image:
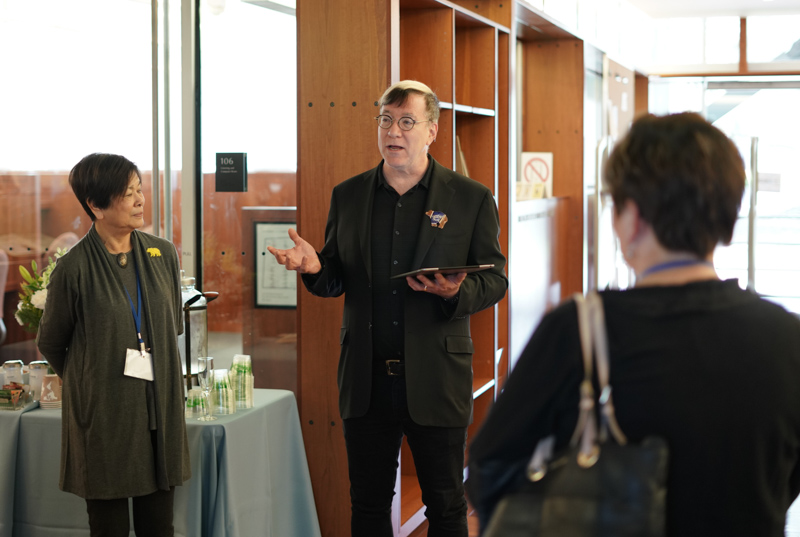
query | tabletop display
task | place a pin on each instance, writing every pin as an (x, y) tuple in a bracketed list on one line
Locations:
[(249, 475)]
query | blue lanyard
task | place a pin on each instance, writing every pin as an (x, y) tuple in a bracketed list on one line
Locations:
[(673, 264), (137, 311)]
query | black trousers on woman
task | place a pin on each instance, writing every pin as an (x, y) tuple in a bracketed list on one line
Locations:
[(152, 516)]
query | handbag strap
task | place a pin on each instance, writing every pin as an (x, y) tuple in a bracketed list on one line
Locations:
[(598, 325), (594, 349), (586, 429), (594, 343)]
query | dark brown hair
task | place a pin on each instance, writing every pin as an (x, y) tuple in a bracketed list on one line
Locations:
[(685, 176)]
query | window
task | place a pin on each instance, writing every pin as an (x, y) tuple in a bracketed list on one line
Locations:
[(78, 80), (773, 38)]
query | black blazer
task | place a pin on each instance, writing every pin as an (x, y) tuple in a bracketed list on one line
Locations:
[(438, 346)]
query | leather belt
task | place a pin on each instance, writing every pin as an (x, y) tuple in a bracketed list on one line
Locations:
[(395, 368)]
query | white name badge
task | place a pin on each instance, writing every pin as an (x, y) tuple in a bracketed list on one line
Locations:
[(139, 365)]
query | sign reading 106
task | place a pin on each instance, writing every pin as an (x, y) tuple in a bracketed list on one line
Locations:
[(225, 160)]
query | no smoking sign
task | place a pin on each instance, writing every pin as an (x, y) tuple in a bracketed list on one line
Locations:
[(536, 176), (536, 171)]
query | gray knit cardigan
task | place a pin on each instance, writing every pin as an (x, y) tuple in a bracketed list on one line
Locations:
[(107, 447)]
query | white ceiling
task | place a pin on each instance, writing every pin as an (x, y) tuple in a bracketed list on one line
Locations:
[(710, 8)]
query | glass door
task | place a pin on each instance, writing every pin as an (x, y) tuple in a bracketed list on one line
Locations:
[(761, 118), (248, 112)]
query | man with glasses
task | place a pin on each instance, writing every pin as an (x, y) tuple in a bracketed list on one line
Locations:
[(406, 360)]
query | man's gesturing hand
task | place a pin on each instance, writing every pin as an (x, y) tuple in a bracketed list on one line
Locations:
[(302, 258)]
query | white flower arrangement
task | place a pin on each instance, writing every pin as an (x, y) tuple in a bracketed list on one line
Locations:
[(34, 294)]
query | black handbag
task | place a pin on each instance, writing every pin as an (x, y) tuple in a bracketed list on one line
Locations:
[(597, 487)]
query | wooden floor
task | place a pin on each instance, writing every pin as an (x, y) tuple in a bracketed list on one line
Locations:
[(472, 521)]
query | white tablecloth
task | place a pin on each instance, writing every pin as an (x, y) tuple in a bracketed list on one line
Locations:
[(249, 476)]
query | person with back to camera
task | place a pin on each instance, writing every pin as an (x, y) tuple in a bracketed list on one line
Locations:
[(406, 360), (711, 368), (109, 329)]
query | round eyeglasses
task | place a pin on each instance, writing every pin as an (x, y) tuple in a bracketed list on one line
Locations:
[(405, 123)]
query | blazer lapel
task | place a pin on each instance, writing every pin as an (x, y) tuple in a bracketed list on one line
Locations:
[(439, 197)]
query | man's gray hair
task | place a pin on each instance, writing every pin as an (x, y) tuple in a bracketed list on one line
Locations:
[(397, 94)]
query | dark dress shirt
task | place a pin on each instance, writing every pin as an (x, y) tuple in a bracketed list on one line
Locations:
[(396, 221)]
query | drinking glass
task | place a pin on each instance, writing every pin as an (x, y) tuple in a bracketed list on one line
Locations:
[(242, 378), (205, 375), (222, 399)]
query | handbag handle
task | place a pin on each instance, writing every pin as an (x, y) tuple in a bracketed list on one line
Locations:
[(594, 348)]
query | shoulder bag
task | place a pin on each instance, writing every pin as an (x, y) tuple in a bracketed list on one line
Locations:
[(598, 486)]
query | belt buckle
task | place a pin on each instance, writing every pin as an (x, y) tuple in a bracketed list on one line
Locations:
[(389, 370)]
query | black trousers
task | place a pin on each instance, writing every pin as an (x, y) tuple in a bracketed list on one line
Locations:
[(373, 446), (152, 516)]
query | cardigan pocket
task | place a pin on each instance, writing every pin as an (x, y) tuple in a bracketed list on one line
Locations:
[(342, 336)]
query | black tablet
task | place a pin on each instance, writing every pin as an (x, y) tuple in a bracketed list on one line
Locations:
[(444, 270)]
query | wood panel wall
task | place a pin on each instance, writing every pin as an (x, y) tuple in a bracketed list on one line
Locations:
[(552, 121)]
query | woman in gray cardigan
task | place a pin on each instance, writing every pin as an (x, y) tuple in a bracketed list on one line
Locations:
[(109, 330)]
